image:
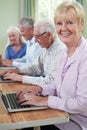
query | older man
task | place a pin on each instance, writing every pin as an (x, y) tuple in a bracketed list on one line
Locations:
[(43, 69), (26, 26)]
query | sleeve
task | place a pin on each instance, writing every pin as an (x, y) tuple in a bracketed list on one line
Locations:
[(36, 72), (6, 53), (34, 69), (42, 71), (19, 62), (78, 102), (38, 80), (49, 90)]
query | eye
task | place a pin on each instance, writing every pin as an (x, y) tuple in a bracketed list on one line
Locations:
[(69, 22), (59, 23)]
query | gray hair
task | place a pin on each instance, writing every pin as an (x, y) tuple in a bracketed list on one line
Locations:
[(27, 22), (14, 29), (46, 25)]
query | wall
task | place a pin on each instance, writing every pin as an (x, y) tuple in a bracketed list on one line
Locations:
[(8, 16), (12, 10)]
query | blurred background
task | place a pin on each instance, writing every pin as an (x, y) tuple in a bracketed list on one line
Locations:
[(11, 11)]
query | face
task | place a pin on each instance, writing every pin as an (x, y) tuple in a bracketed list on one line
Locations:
[(42, 38), (27, 33), (68, 29), (14, 38)]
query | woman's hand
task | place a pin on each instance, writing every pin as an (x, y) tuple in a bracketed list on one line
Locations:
[(28, 99), (30, 90)]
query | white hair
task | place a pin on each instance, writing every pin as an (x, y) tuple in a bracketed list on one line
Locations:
[(16, 30), (13, 29), (46, 25)]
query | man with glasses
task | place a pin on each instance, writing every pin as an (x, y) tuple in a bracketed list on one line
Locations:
[(26, 26), (43, 70)]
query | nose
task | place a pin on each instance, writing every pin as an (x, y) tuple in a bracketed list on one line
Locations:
[(63, 27), (11, 38)]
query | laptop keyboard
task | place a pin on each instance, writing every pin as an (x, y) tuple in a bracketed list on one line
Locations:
[(5, 80), (11, 100)]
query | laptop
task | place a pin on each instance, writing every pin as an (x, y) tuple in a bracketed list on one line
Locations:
[(11, 104), (7, 68), (2, 80), (1, 77)]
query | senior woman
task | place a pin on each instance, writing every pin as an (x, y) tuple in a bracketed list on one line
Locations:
[(16, 47), (72, 75), (70, 91), (42, 71)]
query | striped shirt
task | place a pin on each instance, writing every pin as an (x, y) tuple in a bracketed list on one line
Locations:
[(43, 70)]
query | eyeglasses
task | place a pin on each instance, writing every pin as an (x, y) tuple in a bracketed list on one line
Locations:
[(38, 36)]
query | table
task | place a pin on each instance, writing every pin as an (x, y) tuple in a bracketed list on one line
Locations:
[(34, 119)]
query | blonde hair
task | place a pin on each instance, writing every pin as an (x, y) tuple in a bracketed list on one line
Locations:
[(73, 7)]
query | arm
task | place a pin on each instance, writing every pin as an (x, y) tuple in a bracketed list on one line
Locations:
[(44, 72), (33, 69), (46, 68), (31, 54), (6, 52), (19, 62), (72, 97), (30, 96)]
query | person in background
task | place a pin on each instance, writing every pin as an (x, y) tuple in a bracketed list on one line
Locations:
[(16, 47), (26, 26), (43, 69), (69, 93)]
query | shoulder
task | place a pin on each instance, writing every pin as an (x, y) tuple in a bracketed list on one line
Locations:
[(82, 49), (58, 46), (24, 44), (9, 47), (83, 45), (58, 43)]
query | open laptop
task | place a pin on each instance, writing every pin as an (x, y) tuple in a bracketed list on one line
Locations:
[(11, 103), (7, 67), (2, 80), (1, 77)]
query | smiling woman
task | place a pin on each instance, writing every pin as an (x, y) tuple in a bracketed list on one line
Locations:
[(27, 8), (16, 47)]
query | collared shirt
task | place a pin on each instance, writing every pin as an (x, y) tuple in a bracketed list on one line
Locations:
[(43, 69), (32, 51), (70, 91)]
